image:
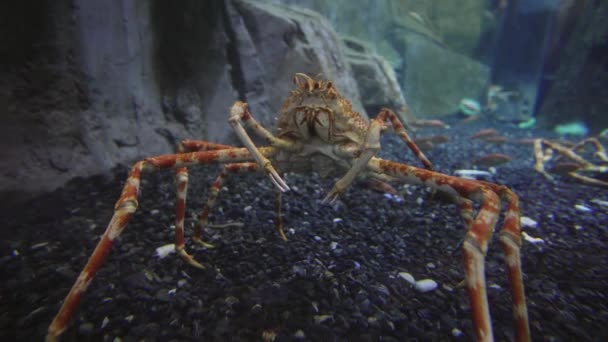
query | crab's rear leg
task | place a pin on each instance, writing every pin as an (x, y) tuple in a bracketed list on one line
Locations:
[(125, 207), (480, 229), (371, 146), (214, 191)]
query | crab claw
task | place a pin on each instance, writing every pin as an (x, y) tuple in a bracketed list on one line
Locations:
[(333, 195), (275, 178)]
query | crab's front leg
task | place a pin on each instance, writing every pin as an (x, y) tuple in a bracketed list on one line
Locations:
[(480, 226), (371, 146), (123, 210), (240, 113)]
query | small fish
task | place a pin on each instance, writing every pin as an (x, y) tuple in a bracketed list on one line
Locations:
[(484, 133), (496, 139), (470, 119), (430, 123), (437, 139), (565, 168), (425, 145), (525, 141), (493, 159)]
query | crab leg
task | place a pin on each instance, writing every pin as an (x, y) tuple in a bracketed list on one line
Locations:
[(181, 181), (240, 113), (476, 241), (213, 193), (277, 210), (371, 147), (125, 207)]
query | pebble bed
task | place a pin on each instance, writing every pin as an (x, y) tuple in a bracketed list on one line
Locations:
[(370, 268)]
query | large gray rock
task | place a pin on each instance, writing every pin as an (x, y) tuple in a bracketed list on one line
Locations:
[(376, 79), (435, 78), (93, 83), (278, 41)]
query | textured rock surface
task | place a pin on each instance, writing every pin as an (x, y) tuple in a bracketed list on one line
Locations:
[(103, 83), (435, 78), (431, 44), (376, 79)]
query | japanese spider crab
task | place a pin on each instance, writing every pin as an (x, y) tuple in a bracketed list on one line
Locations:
[(579, 168), (319, 131)]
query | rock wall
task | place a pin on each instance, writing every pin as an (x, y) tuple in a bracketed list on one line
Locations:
[(436, 47), (89, 84)]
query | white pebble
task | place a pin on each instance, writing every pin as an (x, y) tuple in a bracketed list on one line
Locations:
[(578, 227), (333, 245), (247, 208), (105, 322), (419, 200), (154, 211), (172, 291), (457, 332), (430, 265), (337, 220), (317, 238), (583, 208), (39, 245), (495, 286), (291, 231), (407, 277), (357, 265), (425, 285), (525, 221), (532, 239), (165, 250), (600, 202)]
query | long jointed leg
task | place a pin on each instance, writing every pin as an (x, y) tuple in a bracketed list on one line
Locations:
[(277, 211), (476, 241), (203, 217), (510, 239), (399, 129), (371, 146), (181, 181), (124, 209)]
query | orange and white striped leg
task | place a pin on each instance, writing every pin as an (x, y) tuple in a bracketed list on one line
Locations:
[(476, 241), (181, 180), (510, 239), (213, 193), (123, 210), (399, 129)]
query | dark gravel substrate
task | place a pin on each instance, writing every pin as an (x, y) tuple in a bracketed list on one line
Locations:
[(333, 281)]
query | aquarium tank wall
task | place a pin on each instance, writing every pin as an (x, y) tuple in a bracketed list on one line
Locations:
[(314, 170)]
